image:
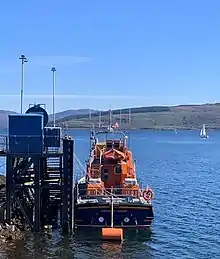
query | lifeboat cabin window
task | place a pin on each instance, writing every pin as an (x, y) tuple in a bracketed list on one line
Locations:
[(105, 174), (118, 169), (117, 144), (113, 144), (94, 180), (130, 181), (109, 144)]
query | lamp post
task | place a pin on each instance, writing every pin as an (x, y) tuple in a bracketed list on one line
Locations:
[(23, 60), (53, 69)]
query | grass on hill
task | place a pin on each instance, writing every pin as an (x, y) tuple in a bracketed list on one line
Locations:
[(182, 117)]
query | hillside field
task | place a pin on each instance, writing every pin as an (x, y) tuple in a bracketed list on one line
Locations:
[(180, 117)]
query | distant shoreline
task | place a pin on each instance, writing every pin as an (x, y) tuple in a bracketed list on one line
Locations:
[(152, 129), (4, 131)]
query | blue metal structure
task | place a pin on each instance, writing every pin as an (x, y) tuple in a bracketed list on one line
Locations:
[(39, 182), (52, 136), (25, 134)]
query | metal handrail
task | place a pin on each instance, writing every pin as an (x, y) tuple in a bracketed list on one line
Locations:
[(118, 192), (4, 141)]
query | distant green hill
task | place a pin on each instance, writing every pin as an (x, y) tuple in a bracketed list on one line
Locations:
[(69, 113), (155, 117), (115, 112)]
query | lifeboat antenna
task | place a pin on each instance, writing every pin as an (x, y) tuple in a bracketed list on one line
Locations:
[(129, 115), (90, 114), (100, 118), (110, 118)]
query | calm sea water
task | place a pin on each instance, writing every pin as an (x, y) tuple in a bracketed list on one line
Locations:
[(184, 172)]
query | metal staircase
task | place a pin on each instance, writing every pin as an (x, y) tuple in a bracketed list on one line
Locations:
[(51, 188)]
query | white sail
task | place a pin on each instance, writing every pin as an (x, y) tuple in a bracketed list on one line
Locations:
[(203, 132)]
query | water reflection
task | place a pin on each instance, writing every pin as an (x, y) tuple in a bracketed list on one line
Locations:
[(84, 244), (112, 249), (137, 242)]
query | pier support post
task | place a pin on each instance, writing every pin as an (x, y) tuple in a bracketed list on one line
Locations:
[(67, 186), (8, 187), (37, 205)]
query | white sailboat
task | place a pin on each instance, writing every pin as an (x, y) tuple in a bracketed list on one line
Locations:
[(203, 133)]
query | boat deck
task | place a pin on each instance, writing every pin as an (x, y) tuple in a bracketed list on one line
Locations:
[(103, 200)]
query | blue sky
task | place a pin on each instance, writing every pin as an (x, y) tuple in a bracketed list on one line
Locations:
[(123, 53)]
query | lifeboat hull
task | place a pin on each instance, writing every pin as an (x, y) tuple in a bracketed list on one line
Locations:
[(125, 216)]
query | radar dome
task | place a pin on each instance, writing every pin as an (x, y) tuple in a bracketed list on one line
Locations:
[(39, 110)]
